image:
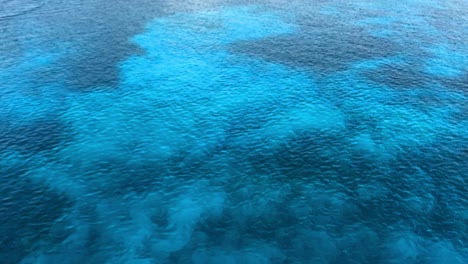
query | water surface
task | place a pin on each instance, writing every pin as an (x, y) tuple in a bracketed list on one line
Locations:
[(233, 131)]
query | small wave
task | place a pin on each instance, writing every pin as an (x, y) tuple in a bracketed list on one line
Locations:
[(13, 8)]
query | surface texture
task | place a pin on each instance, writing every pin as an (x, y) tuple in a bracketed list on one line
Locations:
[(233, 131)]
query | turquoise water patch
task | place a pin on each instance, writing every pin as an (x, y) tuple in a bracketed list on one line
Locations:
[(23, 98), (446, 62), (183, 94)]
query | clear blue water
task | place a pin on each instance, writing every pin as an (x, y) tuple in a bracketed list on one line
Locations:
[(233, 131)]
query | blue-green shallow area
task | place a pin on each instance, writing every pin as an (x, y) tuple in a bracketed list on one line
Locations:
[(233, 132)]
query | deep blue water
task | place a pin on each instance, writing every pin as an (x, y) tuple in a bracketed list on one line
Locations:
[(266, 131)]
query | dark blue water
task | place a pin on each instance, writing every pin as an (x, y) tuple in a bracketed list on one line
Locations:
[(233, 131)]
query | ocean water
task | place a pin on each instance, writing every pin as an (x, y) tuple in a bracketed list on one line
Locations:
[(270, 131)]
